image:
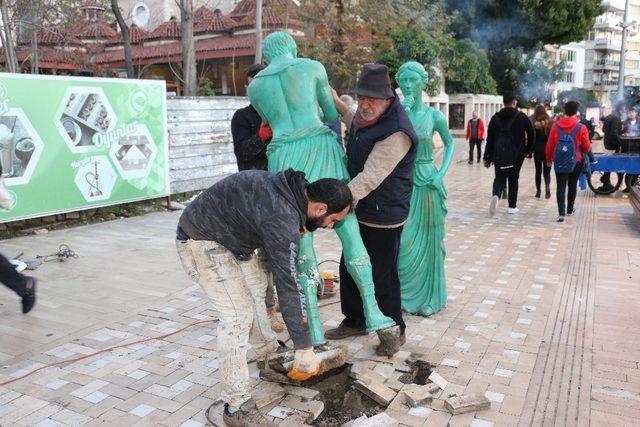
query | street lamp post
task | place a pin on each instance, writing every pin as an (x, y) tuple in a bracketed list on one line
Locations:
[(625, 24)]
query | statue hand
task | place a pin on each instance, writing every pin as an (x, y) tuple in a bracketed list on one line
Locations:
[(408, 102), (435, 181)]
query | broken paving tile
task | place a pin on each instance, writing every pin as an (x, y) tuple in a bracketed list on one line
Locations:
[(438, 380), (416, 395), (467, 403), (376, 391), (303, 392), (313, 407)]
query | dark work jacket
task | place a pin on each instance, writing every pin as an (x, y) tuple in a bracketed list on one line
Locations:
[(389, 203), (258, 209), (250, 150), (612, 128)]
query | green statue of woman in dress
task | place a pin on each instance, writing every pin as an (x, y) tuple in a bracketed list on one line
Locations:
[(293, 96), (422, 250)]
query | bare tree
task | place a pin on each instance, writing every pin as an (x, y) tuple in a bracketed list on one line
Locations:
[(7, 41), (126, 39), (188, 48), (34, 36), (258, 58)]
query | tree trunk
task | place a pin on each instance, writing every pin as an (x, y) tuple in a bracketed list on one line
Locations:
[(34, 38), (9, 50), (126, 40), (258, 58), (188, 48)]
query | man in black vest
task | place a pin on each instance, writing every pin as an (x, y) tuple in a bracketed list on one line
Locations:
[(381, 151)]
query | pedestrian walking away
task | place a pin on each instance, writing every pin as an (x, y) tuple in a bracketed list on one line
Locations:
[(567, 146), (475, 136), (510, 138), (542, 123), (216, 239)]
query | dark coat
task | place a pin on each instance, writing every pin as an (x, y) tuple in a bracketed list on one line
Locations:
[(523, 134), (250, 150)]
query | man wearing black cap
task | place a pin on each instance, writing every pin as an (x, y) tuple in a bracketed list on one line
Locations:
[(381, 152)]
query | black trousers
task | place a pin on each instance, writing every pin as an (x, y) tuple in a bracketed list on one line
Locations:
[(11, 278), (508, 176), (542, 169), (564, 180), (383, 245), (477, 144)]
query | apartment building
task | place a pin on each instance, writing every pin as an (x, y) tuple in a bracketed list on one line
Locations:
[(603, 50)]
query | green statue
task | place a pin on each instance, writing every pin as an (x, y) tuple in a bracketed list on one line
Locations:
[(422, 250), (293, 96)]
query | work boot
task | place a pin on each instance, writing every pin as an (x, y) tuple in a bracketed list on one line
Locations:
[(276, 323), (390, 341), (29, 298), (247, 416), (343, 331)]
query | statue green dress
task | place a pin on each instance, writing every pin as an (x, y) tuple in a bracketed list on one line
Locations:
[(293, 96), (422, 251)]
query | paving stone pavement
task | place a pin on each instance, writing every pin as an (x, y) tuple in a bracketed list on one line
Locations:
[(541, 318)]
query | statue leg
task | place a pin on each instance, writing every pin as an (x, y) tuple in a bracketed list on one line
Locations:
[(309, 280), (359, 267)]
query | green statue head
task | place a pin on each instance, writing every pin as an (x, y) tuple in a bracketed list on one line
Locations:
[(279, 44), (412, 79)]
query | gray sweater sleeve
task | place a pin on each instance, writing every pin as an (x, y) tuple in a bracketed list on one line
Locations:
[(282, 246)]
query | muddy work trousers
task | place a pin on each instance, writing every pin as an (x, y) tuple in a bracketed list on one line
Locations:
[(237, 291)]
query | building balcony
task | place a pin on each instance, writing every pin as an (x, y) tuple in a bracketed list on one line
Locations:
[(607, 24), (606, 65), (607, 45), (606, 84)]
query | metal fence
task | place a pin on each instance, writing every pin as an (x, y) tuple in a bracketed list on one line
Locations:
[(200, 146)]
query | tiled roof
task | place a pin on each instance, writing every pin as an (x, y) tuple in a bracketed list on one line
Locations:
[(51, 35), (203, 48), (92, 29), (218, 23), (248, 7), (92, 5), (269, 19), (136, 35), (169, 30), (202, 13)]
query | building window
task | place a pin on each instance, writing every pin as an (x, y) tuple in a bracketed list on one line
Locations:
[(569, 76), (590, 55), (591, 35), (568, 55), (588, 77)]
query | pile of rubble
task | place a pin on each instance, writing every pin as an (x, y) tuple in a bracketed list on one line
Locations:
[(365, 393)]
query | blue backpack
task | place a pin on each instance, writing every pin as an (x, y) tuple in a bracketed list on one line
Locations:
[(564, 158)]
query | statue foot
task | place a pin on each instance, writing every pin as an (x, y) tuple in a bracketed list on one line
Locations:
[(390, 341), (375, 320)]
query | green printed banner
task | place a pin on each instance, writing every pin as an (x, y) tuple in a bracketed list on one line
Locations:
[(73, 143)]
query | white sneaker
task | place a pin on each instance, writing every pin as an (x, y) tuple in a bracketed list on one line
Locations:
[(5, 198), (513, 210), (493, 205)]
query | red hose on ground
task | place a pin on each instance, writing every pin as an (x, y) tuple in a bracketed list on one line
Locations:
[(86, 356)]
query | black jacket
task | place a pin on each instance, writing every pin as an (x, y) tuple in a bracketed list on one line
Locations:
[(258, 209), (612, 127), (388, 204), (523, 134), (250, 150)]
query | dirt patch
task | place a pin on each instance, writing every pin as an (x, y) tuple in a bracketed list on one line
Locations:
[(342, 403)]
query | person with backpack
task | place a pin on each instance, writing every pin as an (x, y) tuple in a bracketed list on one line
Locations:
[(510, 138), (567, 145)]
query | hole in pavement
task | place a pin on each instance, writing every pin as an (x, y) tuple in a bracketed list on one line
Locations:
[(343, 403)]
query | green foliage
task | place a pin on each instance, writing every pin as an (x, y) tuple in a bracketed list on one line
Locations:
[(467, 69), (412, 44), (205, 88), (530, 74)]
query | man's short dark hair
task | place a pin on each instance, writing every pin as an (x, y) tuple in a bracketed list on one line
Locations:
[(333, 192), (509, 97), (571, 108), (252, 70)]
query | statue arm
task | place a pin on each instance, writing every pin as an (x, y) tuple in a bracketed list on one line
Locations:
[(254, 102), (443, 130), (325, 97)]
